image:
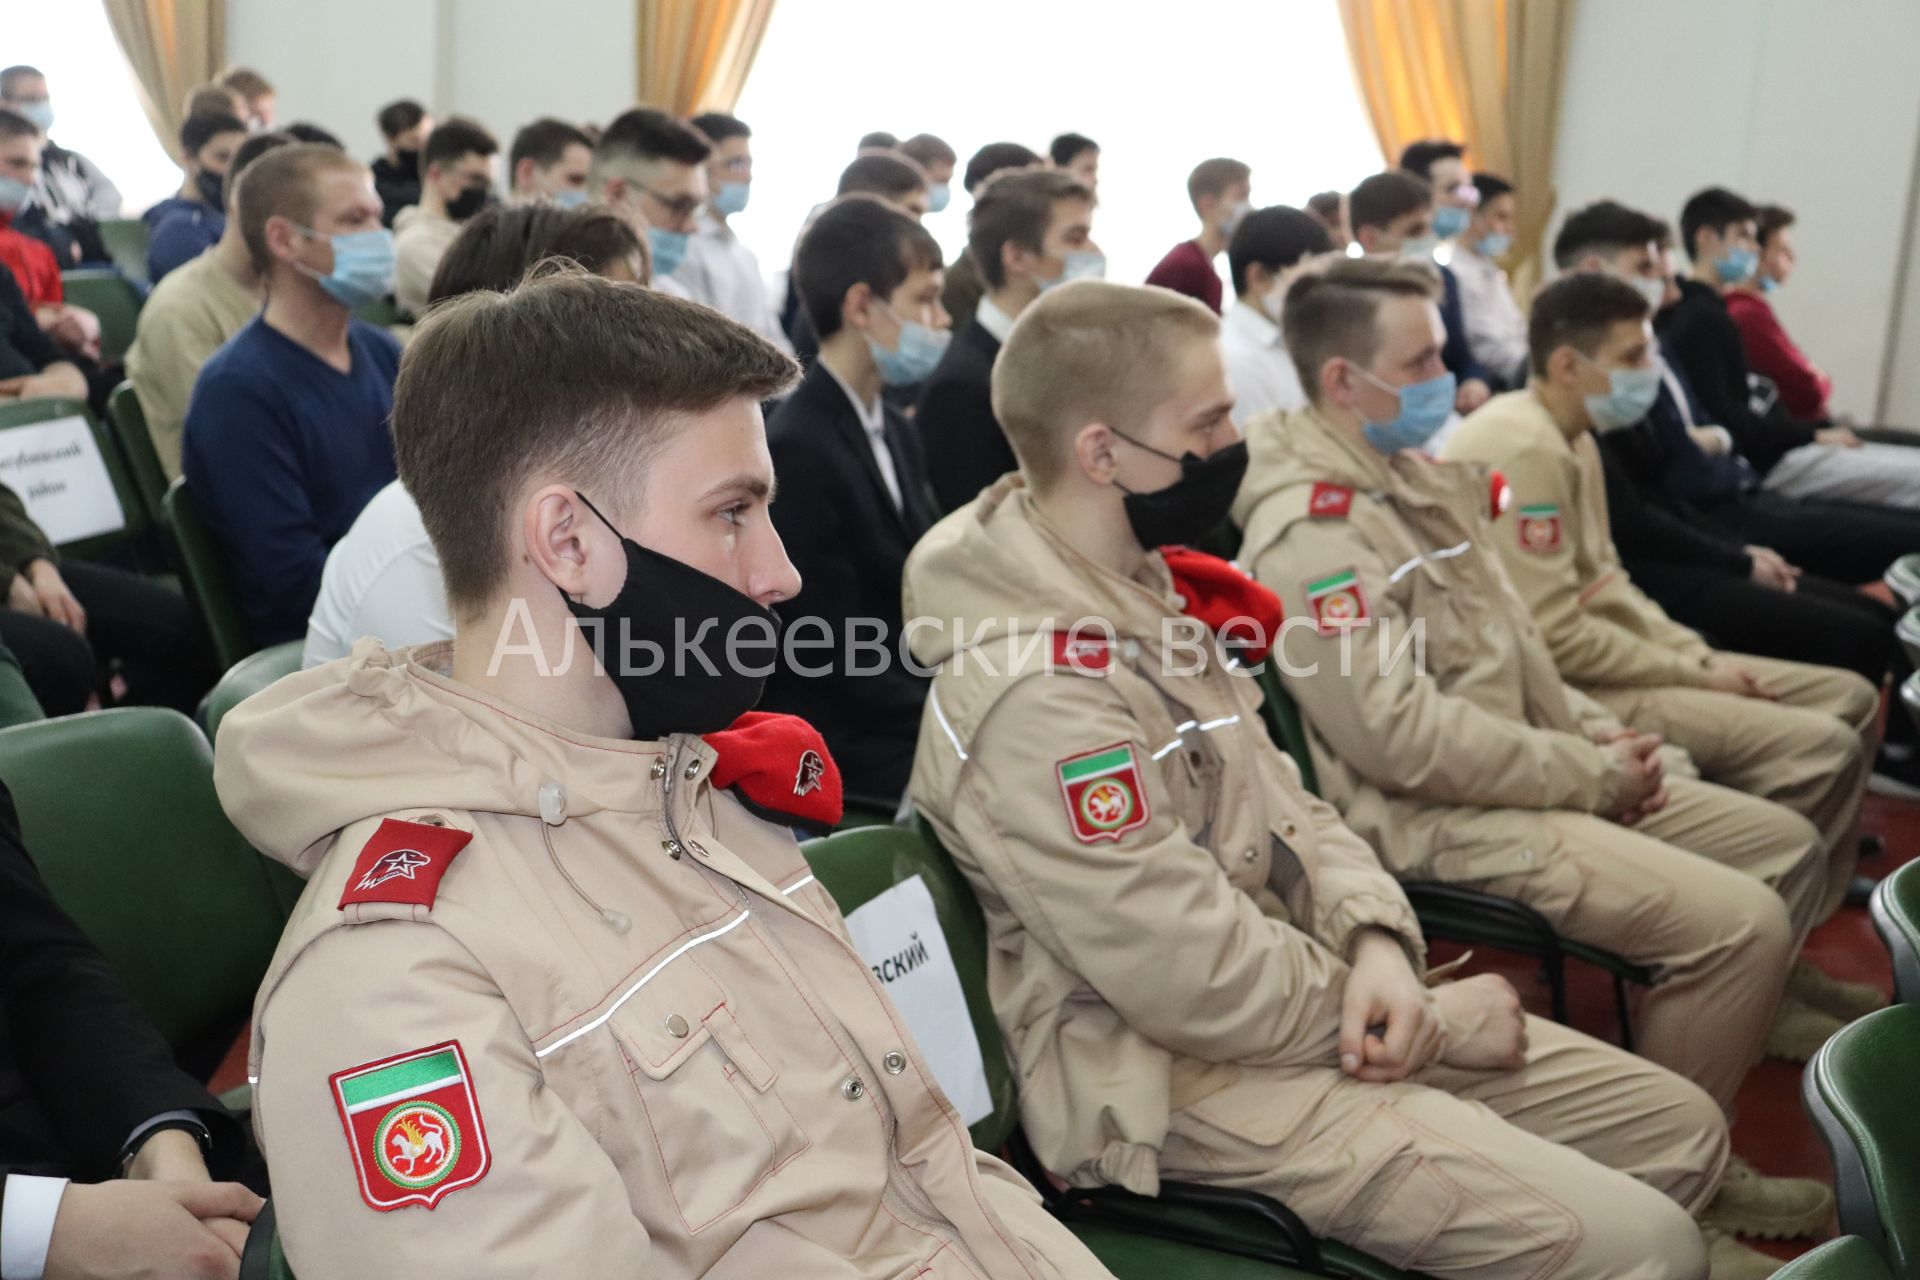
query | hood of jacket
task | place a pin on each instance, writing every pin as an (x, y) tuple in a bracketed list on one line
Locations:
[(383, 731)]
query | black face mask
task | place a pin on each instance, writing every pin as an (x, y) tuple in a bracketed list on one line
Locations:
[(469, 202), (1191, 507), (408, 162), (212, 188), (670, 615)]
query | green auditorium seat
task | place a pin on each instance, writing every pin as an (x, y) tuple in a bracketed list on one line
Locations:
[(126, 241), (1848, 1258), (244, 679), (1188, 1230), (129, 423), (1903, 578), (1461, 914), (110, 296), (118, 809), (1895, 907), (1859, 1091), (203, 563), (135, 524)]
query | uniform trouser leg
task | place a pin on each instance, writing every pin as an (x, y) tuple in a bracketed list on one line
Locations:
[(1719, 940), (1810, 751), (1768, 841), (1585, 1162)]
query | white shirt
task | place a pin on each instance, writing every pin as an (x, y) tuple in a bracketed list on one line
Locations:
[(1496, 327), (873, 420), (722, 272), (381, 579), (993, 320), (1259, 371)]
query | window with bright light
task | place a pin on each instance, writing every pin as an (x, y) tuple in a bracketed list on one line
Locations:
[(96, 110), (1156, 89)]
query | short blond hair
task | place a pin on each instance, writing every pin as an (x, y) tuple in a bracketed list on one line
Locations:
[(1090, 351)]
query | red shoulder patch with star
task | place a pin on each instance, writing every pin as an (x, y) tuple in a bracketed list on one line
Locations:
[(1330, 501), (403, 863)]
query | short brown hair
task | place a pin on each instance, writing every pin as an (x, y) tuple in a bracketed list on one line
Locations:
[(1380, 199), (1089, 351), (1576, 311), (213, 100), (1213, 177), (1769, 219), (928, 150), (1016, 205), (498, 245), (1336, 312), (249, 83), (283, 183), (569, 376)]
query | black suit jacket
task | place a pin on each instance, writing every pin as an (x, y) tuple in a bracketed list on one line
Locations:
[(850, 543), (1698, 333), (965, 447), (81, 1066)]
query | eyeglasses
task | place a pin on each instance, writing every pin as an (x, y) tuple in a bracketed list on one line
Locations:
[(678, 206)]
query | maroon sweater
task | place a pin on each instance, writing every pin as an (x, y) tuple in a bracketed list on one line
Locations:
[(1187, 269)]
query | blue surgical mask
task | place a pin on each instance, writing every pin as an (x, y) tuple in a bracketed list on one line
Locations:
[(569, 198), (1424, 409), (13, 194), (669, 249), (938, 196), (1768, 284), (1493, 245), (731, 198), (40, 113), (1419, 248), (1082, 264), (1629, 394), (1449, 221), (362, 266), (914, 356), (1736, 265), (1231, 223)]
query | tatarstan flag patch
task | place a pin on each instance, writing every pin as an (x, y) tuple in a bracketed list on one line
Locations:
[(1337, 602), (1539, 528), (413, 1126), (1103, 792)]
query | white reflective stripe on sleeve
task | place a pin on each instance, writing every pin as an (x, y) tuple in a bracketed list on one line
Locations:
[(1175, 745), (645, 978), (1445, 553), (797, 885), (941, 716), (1222, 722)]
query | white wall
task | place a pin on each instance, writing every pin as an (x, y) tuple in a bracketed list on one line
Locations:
[(1807, 103), (337, 62)]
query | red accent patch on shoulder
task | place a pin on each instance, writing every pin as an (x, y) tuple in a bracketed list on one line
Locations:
[(1083, 653), (403, 863), (1330, 500), (1499, 495)]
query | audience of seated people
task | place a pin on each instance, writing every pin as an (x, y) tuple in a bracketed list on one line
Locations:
[(404, 125), (458, 173), (187, 225), (1650, 697)]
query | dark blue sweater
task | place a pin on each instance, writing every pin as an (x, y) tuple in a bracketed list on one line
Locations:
[(281, 452)]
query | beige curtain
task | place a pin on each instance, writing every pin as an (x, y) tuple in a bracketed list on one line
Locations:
[(695, 54), (173, 46), (1485, 73)]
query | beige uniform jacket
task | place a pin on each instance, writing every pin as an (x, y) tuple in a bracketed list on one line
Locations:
[(1428, 760), (1166, 902), (680, 1066), (1602, 630)]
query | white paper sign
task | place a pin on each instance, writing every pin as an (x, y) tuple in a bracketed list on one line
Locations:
[(57, 470), (898, 935)]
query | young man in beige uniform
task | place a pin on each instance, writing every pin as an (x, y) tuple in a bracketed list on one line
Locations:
[(1444, 735), (1802, 735), (561, 997), (1203, 973)]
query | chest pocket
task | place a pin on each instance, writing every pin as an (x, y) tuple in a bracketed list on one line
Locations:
[(707, 1091)]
